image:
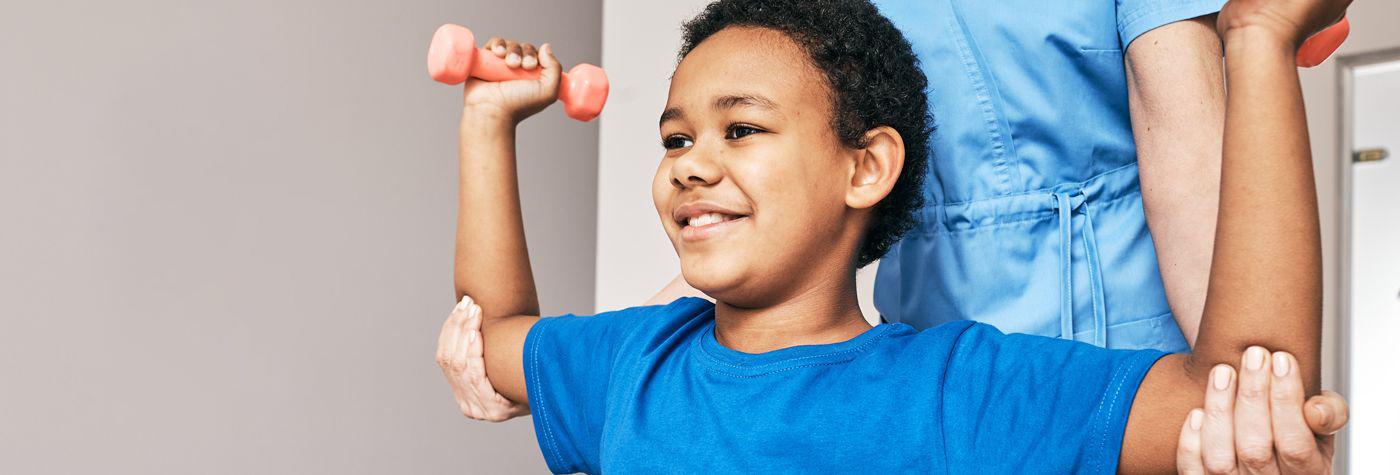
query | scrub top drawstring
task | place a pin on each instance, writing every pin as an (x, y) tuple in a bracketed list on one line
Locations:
[(1066, 202)]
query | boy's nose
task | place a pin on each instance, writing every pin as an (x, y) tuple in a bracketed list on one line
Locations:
[(694, 168)]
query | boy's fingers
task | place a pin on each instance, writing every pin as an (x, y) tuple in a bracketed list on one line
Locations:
[(550, 70), (1254, 444), (496, 46), (1293, 440), (547, 59), (530, 57), (1326, 413), (1218, 427), (512, 54), (1188, 446)]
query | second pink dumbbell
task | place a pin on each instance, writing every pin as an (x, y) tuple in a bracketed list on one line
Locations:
[(453, 57)]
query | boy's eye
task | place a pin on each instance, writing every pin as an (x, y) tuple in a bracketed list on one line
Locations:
[(676, 141), (739, 131)]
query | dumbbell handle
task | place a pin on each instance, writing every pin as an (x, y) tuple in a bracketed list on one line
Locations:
[(453, 57), (487, 66)]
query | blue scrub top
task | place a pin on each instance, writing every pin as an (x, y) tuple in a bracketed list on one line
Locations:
[(1034, 219)]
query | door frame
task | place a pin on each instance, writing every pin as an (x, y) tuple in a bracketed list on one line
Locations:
[(1346, 67)]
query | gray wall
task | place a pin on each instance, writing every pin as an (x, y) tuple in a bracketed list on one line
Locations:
[(226, 234)]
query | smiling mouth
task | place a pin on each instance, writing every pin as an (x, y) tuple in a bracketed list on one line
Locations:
[(708, 225), (708, 219)]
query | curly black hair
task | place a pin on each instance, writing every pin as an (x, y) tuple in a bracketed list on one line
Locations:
[(874, 79)]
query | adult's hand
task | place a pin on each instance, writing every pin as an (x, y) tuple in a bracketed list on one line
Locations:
[(1256, 421), (460, 356)]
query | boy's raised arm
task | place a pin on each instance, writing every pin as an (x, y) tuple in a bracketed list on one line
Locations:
[(1265, 282), (492, 265)]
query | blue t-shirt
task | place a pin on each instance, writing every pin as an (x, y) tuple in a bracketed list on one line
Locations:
[(650, 390)]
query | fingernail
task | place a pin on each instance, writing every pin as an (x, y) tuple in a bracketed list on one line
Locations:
[(1324, 414), (1197, 417), (1254, 358), (1281, 366), (498, 49), (1221, 376), (511, 58), (461, 304)]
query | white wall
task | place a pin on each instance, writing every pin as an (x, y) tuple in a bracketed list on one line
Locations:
[(1371, 318), (640, 41), (1373, 29)]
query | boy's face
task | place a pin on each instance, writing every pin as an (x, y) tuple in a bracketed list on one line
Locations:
[(752, 188)]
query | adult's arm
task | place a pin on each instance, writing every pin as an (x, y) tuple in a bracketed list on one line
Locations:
[(1176, 96), (673, 290)]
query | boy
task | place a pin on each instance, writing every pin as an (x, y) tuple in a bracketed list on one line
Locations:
[(794, 136)]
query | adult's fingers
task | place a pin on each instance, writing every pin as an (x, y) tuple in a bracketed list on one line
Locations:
[(461, 351), (451, 334), (1293, 440), (1326, 413), (494, 408), (1254, 444), (1218, 428), (1327, 445), (1188, 445), (463, 371)]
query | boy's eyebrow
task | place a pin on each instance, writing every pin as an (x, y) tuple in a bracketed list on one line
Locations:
[(734, 100), (729, 101), (671, 113)]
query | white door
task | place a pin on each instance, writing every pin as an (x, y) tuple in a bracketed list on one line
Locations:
[(1374, 316)]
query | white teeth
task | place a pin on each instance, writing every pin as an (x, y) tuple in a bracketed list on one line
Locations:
[(706, 219)]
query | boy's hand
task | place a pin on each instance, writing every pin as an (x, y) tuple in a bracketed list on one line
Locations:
[(514, 100), (1264, 427), (460, 356), (1289, 20)]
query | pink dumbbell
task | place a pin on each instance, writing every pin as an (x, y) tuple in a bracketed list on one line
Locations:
[(453, 56), (1318, 47)]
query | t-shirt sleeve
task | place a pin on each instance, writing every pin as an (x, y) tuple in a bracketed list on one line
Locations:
[(569, 363), (1017, 403), (1136, 17)]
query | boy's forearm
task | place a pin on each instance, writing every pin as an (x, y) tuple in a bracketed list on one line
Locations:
[(492, 264), (1265, 284)]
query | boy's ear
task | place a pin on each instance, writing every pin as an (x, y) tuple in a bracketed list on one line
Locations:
[(875, 168)]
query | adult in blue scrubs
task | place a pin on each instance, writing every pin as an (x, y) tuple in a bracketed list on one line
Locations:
[(1034, 220)]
